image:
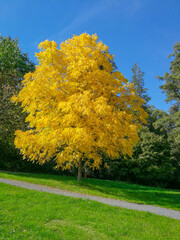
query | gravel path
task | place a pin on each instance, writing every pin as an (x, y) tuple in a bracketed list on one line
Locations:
[(113, 202)]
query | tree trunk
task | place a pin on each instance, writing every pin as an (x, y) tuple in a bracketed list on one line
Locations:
[(80, 170)]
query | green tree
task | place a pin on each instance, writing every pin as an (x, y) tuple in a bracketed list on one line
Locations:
[(171, 80), (171, 87), (138, 81), (152, 159), (13, 65)]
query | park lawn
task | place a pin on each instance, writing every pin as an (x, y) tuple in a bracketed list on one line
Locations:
[(105, 188), (112, 189), (27, 214)]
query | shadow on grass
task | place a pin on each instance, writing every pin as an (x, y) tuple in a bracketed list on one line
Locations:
[(115, 189)]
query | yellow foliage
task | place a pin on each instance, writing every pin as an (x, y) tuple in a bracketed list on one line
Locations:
[(78, 105)]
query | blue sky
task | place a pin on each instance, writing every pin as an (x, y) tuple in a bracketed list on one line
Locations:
[(141, 31)]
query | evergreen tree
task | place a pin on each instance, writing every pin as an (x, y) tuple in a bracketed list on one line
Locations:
[(138, 81), (171, 80), (151, 157)]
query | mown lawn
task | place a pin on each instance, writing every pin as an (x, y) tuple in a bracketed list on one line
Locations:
[(112, 189), (27, 214)]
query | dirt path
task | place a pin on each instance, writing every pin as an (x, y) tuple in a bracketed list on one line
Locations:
[(113, 202)]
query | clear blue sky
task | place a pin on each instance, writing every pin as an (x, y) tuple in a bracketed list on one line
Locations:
[(141, 31)]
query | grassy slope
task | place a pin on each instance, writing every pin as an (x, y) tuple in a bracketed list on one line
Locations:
[(112, 189), (27, 214)]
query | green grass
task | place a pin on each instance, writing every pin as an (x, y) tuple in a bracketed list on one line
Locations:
[(112, 189), (27, 214)]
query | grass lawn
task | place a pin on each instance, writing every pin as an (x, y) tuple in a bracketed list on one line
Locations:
[(112, 189), (27, 214)]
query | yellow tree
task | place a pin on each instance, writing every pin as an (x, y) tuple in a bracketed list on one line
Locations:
[(78, 106)]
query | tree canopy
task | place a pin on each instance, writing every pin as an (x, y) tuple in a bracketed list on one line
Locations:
[(13, 65), (78, 105), (171, 80)]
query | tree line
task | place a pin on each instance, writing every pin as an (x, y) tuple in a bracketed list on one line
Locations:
[(155, 158)]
